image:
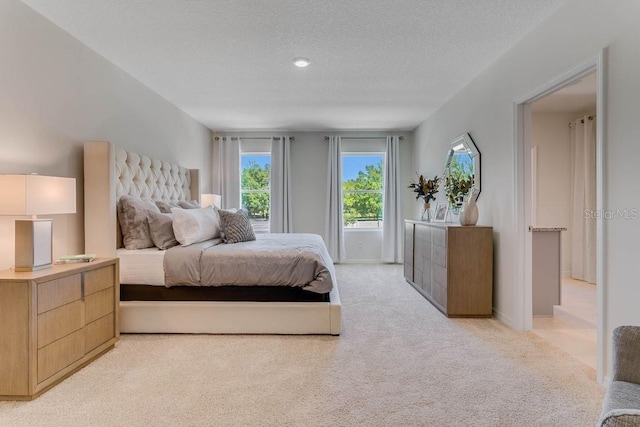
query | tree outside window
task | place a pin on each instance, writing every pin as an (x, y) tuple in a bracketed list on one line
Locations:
[(362, 190), (255, 189)]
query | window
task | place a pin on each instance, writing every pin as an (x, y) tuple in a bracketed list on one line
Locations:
[(254, 188), (362, 189)]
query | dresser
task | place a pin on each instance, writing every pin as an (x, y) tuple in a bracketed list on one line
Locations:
[(451, 266), (53, 322)]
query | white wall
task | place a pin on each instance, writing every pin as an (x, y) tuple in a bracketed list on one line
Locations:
[(55, 94), (309, 156), (485, 108)]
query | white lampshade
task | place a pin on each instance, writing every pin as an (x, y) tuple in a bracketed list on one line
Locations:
[(210, 199), (35, 195)]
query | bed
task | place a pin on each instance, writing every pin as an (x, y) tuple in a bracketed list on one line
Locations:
[(147, 305)]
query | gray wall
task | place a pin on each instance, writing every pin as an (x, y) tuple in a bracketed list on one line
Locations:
[(56, 94), (309, 153), (485, 108)]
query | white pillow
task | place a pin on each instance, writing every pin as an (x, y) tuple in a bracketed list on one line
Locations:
[(195, 225)]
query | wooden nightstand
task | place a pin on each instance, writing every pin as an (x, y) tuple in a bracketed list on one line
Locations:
[(53, 322)]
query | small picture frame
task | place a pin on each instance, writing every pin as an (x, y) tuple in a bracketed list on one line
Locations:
[(441, 212)]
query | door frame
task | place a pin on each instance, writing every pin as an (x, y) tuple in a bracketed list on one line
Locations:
[(523, 196)]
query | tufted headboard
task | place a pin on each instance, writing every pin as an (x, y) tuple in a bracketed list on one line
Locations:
[(110, 173)]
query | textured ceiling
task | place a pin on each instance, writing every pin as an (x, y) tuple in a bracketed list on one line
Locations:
[(375, 64)]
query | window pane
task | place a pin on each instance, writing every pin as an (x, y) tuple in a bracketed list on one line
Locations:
[(256, 171), (254, 184), (362, 172), (362, 210), (362, 183)]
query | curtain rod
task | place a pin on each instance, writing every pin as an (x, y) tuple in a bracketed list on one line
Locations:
[(582, 120), (326, 138), (217, 138)]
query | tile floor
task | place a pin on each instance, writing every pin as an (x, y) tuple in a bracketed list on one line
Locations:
[(573, 325)]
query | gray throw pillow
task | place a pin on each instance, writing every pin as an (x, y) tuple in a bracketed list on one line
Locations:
[(133, 222), (165, 206), (161, 229), (236, 226), (189, 205)]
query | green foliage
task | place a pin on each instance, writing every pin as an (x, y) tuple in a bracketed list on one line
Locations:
[(363, 205), (256, 177), (460, 179)]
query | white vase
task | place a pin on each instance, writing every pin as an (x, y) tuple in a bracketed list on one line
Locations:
[(469, 211)]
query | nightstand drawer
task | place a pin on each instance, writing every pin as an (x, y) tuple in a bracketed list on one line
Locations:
[(98, 332), (60, 354), (98, 279), (58, 292), (98, 304), (59, 322)]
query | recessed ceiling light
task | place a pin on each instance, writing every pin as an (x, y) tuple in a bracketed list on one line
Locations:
[(301, 62)]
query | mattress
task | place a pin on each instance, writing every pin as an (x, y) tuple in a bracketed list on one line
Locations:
[(141, 266)]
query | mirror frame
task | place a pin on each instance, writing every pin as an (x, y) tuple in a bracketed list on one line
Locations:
[(466, 141)]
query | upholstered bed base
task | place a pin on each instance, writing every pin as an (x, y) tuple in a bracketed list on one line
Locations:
[(231, 317), (110, 173)]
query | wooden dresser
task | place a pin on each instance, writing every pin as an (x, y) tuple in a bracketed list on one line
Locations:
[(53, 322), (451, 266)]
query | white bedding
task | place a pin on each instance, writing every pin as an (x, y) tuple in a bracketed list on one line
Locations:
[(141, 266)]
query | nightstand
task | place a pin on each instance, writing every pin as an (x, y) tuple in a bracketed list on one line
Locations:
[(53, 322)]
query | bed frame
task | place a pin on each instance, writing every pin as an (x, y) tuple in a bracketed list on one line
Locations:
[(111, 172)]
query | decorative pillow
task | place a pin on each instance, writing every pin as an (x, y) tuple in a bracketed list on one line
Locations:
[(217, 209), (165, 206), (161, 229), (195, 225), (236, 226), (133, 221), (189, 205)]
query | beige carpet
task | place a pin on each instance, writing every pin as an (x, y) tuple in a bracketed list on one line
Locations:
[(399, 362)]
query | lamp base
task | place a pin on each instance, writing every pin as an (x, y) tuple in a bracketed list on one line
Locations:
[(33, 244)]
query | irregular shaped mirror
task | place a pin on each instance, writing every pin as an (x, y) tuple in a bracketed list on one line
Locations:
[(461, 169)]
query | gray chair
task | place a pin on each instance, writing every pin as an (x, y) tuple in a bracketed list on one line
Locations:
[(621, 406)]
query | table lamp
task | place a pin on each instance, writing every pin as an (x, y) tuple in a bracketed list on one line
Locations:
[(210, 199), (35, 195)]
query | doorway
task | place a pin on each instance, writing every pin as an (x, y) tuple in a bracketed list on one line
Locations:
[(562, 132), (528, 212)]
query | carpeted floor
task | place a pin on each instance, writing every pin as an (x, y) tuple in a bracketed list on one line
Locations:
[(399, 362)]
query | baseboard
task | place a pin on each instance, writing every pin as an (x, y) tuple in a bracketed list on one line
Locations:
[(503, 318)]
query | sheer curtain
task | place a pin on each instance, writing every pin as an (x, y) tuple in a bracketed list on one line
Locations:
[(280, 211), (391, 225), (229, 172), (333, 223), (583, 226)]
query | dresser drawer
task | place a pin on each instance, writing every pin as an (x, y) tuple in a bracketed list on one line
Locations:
[(439, 295), (439, 236), (439, 275), (58, 292), (59, 322), (439, 255)]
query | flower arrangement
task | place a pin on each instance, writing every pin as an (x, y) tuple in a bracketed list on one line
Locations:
[(426, 188)]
